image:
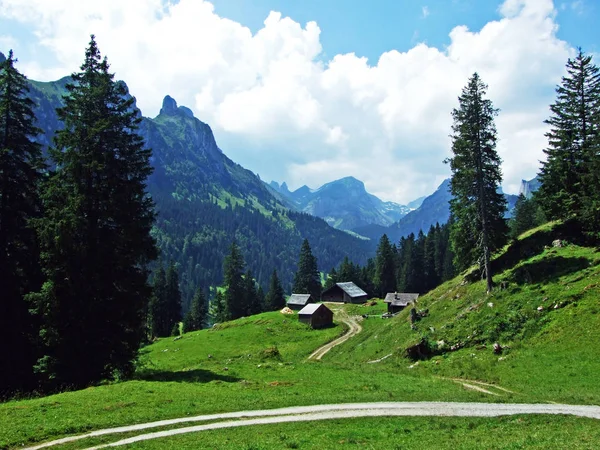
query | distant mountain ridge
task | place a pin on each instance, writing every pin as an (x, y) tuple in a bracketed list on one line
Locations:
[(344, 204), (205, 201), (434, 208)]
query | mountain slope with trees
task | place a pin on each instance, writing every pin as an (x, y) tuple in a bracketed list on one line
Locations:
[(204, 201)]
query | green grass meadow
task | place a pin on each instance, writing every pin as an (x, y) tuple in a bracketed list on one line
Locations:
[(546, 316)]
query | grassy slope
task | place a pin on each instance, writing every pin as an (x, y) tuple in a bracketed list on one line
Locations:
[(228, 368), (552, 355)]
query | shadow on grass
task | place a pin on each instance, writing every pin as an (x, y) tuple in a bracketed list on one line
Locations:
[(187, 376), (548, 269)]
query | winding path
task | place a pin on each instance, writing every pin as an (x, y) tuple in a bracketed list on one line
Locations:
[(327, 412), (353, 329)]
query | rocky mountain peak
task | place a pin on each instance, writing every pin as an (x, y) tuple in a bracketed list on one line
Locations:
[(169, 106), (2, 57)]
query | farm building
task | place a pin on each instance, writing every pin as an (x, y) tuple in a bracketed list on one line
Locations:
[(396, 301), (316, 315), (299, 301), (344, 293)]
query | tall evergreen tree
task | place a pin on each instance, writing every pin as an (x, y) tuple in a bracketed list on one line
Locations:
[(158, 308), (525, 216), (20, 166), (569, 176), (95, 235), (173, 298), (275, 299), (307, 279), (235, 298), (196, 317), (217, 310), (478, 207), (385, 267), (251, 299), (430, 274)]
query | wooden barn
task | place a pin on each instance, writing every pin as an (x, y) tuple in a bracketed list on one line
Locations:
[(397, 301), (344, 293), (299, 301), (316, 315)]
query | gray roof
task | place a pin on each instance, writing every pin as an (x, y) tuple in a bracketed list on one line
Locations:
[(298, 299), (351, 289), (400, 299), (311, 308)]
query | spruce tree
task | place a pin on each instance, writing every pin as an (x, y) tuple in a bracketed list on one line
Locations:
[(20, 168), (275, 299), (569, 176), (95, 235), (158, 309), (251, 299), (525, 216), (173, 298), (385, 267), (217, 310), (307, 279), (195, 319), (235, 298), (478, 207)]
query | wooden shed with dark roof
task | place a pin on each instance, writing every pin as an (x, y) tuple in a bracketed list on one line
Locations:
[(346, 292), (317, 315), (299, 301), (397, 301)]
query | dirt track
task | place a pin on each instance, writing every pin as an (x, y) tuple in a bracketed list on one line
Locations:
[(326, 412), (353, 329)]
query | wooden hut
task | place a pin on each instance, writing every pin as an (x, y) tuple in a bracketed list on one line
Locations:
[(344, 293), (317, 315), (299, 301), (397, 301)]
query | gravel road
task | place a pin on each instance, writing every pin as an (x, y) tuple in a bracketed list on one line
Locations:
[(353, 329), (326, 412)]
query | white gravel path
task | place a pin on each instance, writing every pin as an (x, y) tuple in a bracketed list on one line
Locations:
[(326, 412)]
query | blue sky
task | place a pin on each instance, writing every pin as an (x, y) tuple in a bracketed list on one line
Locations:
[(287, 88), (369, 28)]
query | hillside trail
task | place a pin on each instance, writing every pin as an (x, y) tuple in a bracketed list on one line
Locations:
[(342, 316), (327, 412)]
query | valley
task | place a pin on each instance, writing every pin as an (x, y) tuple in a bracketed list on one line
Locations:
[(548, 328)]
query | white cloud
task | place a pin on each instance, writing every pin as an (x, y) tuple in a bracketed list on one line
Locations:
[(281, 112), (425, 11)]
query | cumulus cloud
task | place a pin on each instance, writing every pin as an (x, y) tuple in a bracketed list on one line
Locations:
[(281, 111), (425, 11)]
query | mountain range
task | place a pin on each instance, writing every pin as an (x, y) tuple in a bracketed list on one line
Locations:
[(344, 204), (205, 201)]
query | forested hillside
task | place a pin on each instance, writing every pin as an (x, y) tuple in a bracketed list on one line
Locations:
[(205, 201)]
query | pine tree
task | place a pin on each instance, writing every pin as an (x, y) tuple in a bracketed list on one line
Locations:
[(217, 310), (20, 166), (430, 274), (569, 176), (332, 278), (195, 319), (173, 299), (478, 207), (275, 299), (525, 216), (235, 298), (385, 268), (158, 308), (307, 279), (251, 299), (95, 235)]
